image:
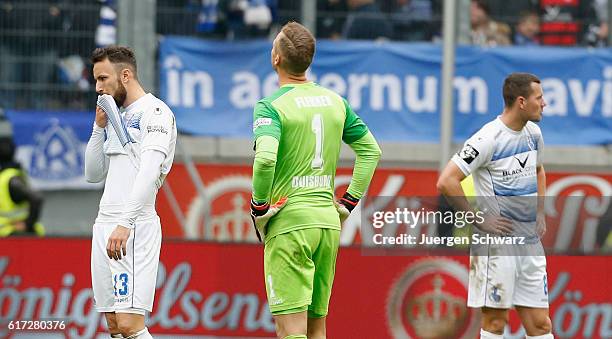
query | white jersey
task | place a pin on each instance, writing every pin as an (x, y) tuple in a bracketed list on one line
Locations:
[(151, 124), (503, 164)]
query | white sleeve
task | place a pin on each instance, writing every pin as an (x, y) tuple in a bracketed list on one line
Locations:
[(96, 162), (144, 186), (157, 130), (476, 152)]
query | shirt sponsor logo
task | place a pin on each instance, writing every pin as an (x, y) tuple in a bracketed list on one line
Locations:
[(529, 171), (522, 163), (262, 122), (157, 129), (468, 153), (312, 181)]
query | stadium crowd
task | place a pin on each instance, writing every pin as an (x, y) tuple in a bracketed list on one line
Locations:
[(44, 43)]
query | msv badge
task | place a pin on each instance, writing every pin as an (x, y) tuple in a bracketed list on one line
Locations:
[(57, 154)]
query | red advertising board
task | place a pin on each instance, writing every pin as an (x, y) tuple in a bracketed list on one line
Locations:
[(219, 211), (217, 290)]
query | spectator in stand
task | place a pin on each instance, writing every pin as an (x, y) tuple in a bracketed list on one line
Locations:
[(366, 21), (597, 35), (527, 29), (9, 54), (412, 20), (506, 11), (486, 31), (564, 23), (331, 15), (248, 19), (414, 9), (51, 21)]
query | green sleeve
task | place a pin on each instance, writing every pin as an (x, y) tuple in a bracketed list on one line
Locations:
[(354, 127), (264, 165), (368, 154), (266, 121)]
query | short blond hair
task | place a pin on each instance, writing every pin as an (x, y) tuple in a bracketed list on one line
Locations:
[(297, 46)]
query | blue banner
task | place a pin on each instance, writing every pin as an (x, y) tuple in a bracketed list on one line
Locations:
[(395, 87), (51, 147)]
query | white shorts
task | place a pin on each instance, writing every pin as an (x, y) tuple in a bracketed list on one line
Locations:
[(504, 281), (126, 285)]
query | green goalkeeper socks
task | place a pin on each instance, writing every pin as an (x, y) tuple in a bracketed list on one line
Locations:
[(294, 336)]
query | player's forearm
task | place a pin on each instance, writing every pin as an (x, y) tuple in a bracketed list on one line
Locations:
[(264, 166), (541, 188), (368, 153), (144, 186), (449, 185), (95, 160)]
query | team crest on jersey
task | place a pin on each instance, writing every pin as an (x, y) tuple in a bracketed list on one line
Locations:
[(468, 153), (262, 122)]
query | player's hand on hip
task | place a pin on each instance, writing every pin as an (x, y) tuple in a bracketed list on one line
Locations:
[(101, 119), (117, 242), (345, 206), (261, 213), (496, 225)]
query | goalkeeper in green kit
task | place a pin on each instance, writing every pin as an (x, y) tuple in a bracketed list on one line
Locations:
[(298, 131)]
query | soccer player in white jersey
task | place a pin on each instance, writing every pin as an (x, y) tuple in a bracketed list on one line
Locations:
[(504, 158), (127, 232)]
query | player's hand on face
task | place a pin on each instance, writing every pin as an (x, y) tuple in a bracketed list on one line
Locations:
[(117, 242), (101, 119), (496, 225)]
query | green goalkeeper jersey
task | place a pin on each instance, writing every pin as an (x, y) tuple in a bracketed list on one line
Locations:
[(309, 122)]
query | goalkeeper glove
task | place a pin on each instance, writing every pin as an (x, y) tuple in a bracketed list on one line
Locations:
[(345, 206), (261, 214)]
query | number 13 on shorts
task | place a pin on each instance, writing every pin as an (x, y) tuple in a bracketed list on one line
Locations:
[(120, 284)]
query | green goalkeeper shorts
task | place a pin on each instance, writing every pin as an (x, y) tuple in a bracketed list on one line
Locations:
[(299, 268)]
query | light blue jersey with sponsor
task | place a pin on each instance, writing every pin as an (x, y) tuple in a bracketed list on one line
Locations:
[(503, 163)]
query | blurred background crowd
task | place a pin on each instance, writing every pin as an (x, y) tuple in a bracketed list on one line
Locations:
[(44, 44)]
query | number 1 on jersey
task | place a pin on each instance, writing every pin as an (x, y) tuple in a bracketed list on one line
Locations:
[(317, 128)]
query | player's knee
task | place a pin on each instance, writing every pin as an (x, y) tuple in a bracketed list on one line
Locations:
[(542, 325), (287, 329), (127, 327), (290, 330), (494, 324), (111, 321)]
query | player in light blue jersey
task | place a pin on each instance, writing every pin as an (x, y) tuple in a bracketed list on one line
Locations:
[(504, 158)]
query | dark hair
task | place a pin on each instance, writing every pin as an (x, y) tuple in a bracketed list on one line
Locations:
[(518, 85), (297, 46), (483, 5), (116, 55)]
